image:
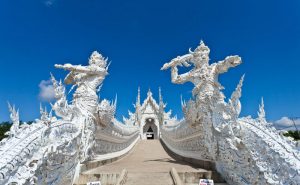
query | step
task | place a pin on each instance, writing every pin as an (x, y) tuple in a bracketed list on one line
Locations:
[(104, 178), (160, 178)]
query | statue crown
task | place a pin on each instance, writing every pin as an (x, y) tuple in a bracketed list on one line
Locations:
[(98, 59), (202, 48)]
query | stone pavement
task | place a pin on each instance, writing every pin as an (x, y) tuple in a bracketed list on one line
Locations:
[(147, 164)]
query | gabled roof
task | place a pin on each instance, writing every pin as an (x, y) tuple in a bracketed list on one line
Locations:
[(150, 101)]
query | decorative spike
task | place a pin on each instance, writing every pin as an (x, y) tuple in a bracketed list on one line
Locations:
[(183, 104), (14, 116), (116, 99), (17, 114), (75, 86), (50, 113), (238, 90), (161, 103), (108, 64), (149, 93), (261, 113), (9, 107), (41, 108), (54, 81), (138, 99), (99, 88), (235, 98)]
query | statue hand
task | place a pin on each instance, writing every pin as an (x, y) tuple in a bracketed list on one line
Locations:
[(234, 60), (58, 66), (65, 66)]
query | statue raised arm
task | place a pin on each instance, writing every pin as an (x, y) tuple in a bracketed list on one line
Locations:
[(184, 60), (230, 61), (82, 69), (204, 76), (87, 79)]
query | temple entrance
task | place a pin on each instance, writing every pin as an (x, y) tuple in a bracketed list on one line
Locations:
[(150, 133), (150, 130)]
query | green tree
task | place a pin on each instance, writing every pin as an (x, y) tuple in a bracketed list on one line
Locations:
[(4, 127), (294, 134)]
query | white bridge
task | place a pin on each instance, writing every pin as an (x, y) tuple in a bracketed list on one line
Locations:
[(83, 142)]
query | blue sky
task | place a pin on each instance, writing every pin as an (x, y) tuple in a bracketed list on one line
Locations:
[(139, 37)]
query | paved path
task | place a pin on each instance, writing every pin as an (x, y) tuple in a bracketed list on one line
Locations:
[(148, 163)]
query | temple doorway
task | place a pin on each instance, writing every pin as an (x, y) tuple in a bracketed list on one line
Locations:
[(150, 130), (150, 133)]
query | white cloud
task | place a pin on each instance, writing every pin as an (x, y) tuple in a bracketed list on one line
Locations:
[(46, 90), (49, 2), (287, 123)]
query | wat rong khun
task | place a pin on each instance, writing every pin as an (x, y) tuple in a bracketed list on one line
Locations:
[(84, 142)]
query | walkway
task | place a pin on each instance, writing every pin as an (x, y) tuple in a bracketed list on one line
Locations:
[(147, 164)]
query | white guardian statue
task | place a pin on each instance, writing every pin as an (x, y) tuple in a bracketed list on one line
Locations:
[(52, 150), (243, 150)]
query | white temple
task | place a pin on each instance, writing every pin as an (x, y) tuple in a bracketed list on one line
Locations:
[(150, 116), (84, 133)]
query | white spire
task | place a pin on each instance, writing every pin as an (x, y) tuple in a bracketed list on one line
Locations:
[(149, 93), (138, 98), (160, 96), (261, 112), (235, 97)]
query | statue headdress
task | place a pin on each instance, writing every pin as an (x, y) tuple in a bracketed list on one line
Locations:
[(202, 48), (98, 59)]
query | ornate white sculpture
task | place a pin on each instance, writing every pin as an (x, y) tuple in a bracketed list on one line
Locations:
[(50, 150), (261, 113), (61, 107), (14, 116), (245, 150)]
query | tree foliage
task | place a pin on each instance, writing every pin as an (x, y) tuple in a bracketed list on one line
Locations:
[(4, 127), (294, 134)]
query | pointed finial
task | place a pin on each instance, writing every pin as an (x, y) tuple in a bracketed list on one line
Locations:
[(116, 99), (160, 95), (238, 90), (138, 99), (149, 92), (10, 108), (262, 114), (161, 103), (53, 80), (41, 108), (14, 115), (139, 93), (183, 104)]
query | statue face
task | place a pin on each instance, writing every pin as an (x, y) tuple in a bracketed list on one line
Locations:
[(97, 59), (200, 58), (201, 55)]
